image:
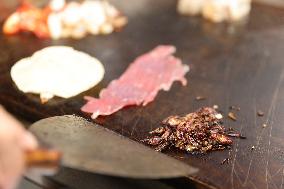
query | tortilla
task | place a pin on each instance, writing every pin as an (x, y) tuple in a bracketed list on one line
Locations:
[(57, 71)]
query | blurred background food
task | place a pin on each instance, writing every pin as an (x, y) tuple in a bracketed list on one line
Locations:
[(216, 10), (60, 19)]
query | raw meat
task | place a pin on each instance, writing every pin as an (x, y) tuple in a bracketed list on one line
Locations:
[(140, 83)]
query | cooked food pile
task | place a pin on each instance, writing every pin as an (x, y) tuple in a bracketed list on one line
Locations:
[(140, 83), (57, 70), (61, 20), (216, 10), (200, 131)]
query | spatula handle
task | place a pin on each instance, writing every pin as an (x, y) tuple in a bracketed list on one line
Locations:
[(42, 158)]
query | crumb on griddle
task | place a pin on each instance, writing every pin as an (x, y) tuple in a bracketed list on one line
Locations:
[(235, 108), (200, 98), (226, 160), (199, 131), (260, 113), (238, 135), (232, 116), (216, 107)]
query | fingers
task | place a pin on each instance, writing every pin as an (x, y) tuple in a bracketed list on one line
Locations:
[(14, 142), (10, 126), (11, 159), (6, 120), (12, 166), (28, 141)]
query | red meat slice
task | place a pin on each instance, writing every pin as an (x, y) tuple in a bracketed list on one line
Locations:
[(140, 83)]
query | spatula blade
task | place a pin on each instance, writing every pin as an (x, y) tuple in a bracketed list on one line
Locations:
[(90, 147)]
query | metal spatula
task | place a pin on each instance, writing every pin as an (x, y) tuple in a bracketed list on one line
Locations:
[(89, 147)]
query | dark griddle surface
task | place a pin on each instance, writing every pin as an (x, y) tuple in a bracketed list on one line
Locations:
[(241, 65)]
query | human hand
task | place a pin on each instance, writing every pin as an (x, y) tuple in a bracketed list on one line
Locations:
[(14, 142)]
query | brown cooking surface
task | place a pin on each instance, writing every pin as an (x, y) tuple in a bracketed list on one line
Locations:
[(241, 65)]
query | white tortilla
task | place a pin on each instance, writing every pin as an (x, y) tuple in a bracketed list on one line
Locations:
[(57, 71)]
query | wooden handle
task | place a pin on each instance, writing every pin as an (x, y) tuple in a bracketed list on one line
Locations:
[(42, 158)]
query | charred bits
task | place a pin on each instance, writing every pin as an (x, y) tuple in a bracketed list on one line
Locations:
[(226, 160), (201, 131)]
